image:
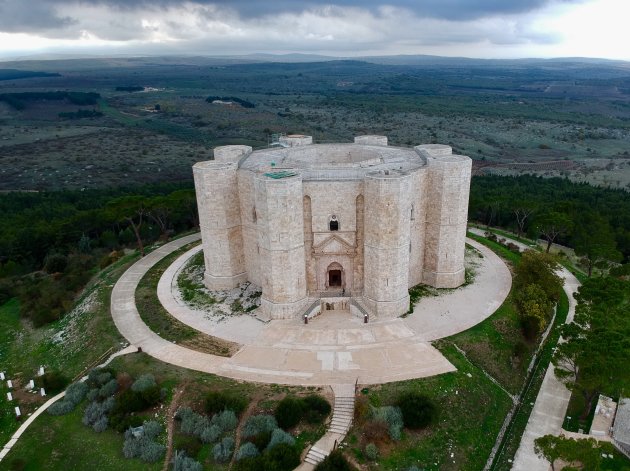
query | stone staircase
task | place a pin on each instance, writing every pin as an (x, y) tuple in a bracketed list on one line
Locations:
[(343, 413)]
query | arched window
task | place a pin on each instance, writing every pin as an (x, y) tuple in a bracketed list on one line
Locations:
[(412, 212), (254, 215), (333, 224)]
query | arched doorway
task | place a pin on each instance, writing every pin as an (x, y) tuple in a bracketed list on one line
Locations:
[(335, 279)]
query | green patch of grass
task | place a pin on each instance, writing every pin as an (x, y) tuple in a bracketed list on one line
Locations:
[(62, 443), (497, 248), (161, 322), (471, 412)]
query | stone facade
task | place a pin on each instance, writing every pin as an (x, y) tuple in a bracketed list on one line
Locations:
[(307, 221)]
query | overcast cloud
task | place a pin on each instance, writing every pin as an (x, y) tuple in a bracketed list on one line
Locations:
[(480, 28)]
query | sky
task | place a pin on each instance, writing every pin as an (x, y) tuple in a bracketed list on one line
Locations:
[(345, 28)]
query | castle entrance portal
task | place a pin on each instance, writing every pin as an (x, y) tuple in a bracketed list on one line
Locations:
[(334, 278)]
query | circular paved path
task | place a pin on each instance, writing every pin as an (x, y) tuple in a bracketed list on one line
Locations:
[(333, 348)]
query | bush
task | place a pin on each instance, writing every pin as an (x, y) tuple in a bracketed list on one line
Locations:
[(283, 457), (190, 445), (256, 424), (279, 436), (289, 412), (317, 408), (225, 420), (144, 383), (222, 451), (210, 434), (371, 452), (181, 462), (55, 263), (392, 417), (108, 389), (152, 429), (53, 382), (100, 425), (418, 410), (144, 447), (218, 401), (247, 450), (61, 408), (74, 395), (93, 394), (261, 440), (334, 462)]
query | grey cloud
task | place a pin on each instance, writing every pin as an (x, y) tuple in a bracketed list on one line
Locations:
[(457, 10), (19, 16)]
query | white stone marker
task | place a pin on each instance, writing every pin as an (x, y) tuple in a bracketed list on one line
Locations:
[(17, 412), (41, 371), (2, 375), (9, 396), (9, 384), (31, 384), (42, 392)]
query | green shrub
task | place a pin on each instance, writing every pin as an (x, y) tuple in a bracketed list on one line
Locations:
[(210, 433), (74, 395), (418, 410), (144, 383), (53, 382), (282, 457), (55, 263), (181, 462), (222, 451), (108, 389), (218, 401), (317, 408), (289, 412), (144, 447), (279, 436), (256, 424), (262, 439), (390, 416), (247, 450), (226, 420), (334, 462), (371, 452), (188, 444)]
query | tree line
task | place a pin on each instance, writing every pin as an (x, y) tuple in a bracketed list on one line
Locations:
[(592, 220), (51, 243)]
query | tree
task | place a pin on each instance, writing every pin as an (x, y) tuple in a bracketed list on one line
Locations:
[(132, 210), (537, 268), (593, 358), (548, 447), (522, 213), (552, 225), (535, 307), (595, 241), (160, 209)]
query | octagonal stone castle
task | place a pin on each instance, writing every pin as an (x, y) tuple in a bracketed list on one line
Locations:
[(356, 224)]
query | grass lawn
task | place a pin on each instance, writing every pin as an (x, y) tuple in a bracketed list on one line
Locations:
[(64, 443), (165, 325), (471, 412)]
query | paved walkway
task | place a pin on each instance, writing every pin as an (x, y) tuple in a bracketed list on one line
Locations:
[(334, 348), (551, 403)]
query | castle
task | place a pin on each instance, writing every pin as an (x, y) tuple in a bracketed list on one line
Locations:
[(360, 222)]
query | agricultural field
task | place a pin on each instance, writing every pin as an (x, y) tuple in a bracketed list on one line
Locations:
[(510, 118)]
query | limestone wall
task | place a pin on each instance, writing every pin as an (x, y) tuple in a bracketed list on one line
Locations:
[(418, 208), (216, 186), (387, 225), (249, 222), (446, 216), (281, 243)]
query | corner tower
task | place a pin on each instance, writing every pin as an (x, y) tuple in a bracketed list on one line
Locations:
[(216, 186), (446, 215)]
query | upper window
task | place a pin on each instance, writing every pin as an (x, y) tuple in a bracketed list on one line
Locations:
[(333, 224)]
